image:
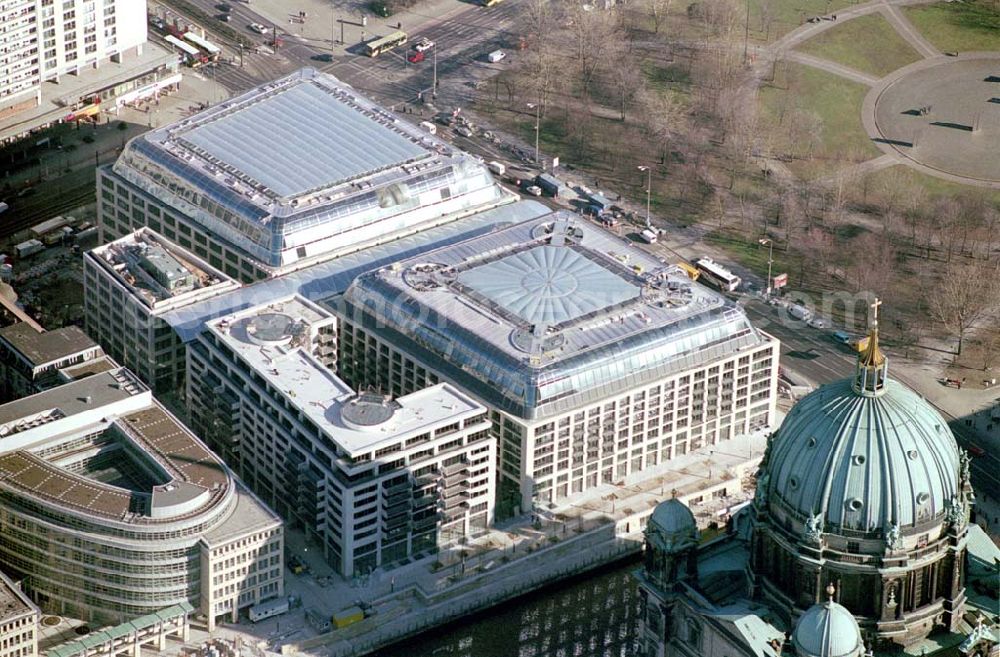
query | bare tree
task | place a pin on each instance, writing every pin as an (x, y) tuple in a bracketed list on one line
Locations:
[(966, 294), (625, 77), (658, 11), (872, 262), (664, 117), (587, 28)]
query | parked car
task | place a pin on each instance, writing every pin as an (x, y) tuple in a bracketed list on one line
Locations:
[(464, 131), (534, 190)]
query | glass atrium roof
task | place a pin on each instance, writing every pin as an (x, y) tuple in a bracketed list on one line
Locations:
[(298, 140), (549, 285), (304, 168), (443, 308)]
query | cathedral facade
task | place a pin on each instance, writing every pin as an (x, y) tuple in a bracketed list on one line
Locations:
[(857, 541)]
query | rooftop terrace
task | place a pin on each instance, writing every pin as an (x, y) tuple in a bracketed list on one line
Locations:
[(189, 476)]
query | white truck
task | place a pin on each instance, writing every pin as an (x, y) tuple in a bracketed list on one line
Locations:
[(497, 167), (29, 248)]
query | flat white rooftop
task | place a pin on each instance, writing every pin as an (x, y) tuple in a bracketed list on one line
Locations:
[(266, 337)]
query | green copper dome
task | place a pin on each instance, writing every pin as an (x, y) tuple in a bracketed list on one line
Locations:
[(871, 458), (672, 526), (827, 630)]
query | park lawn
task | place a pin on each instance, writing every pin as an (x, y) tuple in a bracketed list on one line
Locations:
[(934, 186), (837, 102), (788, 15), (868, 43), (958, 26)]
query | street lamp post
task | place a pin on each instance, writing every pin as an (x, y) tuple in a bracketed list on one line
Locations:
[(770, 261), (649, 192), (538, 118)]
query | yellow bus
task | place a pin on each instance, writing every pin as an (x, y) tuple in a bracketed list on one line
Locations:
[(692, 272), (376, 47)]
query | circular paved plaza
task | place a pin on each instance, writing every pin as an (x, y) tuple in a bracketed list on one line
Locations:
[(941, 115)]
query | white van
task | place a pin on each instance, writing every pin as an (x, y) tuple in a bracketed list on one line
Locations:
[(429, 127), (649, 236), (800, 312), (496, 56), (497, 167)]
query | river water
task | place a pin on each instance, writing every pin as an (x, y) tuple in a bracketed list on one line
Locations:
[(593, 616)]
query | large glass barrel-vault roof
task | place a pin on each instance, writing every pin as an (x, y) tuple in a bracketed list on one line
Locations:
[(298, 140), (304, 166), (548, 315)]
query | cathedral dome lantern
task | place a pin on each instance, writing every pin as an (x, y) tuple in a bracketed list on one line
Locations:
[(866, 457)]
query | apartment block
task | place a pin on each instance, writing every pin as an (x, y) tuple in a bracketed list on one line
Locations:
[(372, 479)]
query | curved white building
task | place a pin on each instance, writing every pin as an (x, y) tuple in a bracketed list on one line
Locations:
[(111, 509)]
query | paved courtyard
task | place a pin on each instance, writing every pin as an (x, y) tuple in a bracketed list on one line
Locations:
[(941, 114)]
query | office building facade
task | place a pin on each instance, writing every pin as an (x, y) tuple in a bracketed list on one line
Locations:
[(19, 619), (598, 361), (372, 479), (129, 285), (110, 509)]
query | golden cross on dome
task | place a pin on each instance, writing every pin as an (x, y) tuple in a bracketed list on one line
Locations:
[(874, 306)]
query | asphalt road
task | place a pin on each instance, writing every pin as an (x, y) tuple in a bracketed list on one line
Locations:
[(462, 41)]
